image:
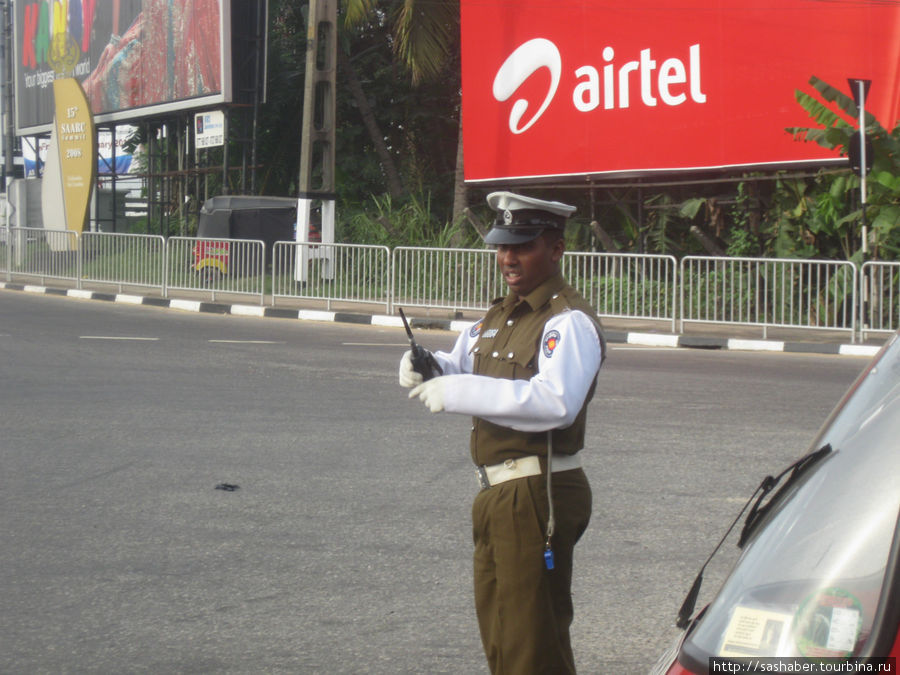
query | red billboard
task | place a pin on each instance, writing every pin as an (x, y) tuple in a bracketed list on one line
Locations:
[(133, 58), (577, 88)]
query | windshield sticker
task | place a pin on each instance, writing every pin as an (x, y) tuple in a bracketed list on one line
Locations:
[(756, 632), (828, 624)]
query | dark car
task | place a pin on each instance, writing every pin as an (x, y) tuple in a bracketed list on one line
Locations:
[(818, 578)]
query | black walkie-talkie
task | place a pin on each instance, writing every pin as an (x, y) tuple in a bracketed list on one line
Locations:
[(422, 360)]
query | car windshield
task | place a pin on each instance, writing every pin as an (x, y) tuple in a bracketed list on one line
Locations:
[(809, 581)]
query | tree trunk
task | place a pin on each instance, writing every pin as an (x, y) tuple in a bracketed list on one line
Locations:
[(480, 228), (460, 194), (392, 176), (707, 242), (608, 243)]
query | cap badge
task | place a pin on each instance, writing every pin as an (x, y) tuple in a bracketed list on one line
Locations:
[(507, 217)]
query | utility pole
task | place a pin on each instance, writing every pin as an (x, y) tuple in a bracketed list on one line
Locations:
[(6, 92), (317, 137)]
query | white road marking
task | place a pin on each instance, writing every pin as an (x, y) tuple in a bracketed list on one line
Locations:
[(117, 337), (248, 342)]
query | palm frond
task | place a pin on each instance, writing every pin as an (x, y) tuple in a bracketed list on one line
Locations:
[(425, 34), (358, 11)]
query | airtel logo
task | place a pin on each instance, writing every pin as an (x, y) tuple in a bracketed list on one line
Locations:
[(672, 83)]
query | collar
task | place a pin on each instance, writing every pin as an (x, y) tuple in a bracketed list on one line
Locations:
[(540, 296)]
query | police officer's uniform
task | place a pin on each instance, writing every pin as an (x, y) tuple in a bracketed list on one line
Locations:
[(526, 373)]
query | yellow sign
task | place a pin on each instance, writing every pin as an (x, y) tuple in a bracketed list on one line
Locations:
[(71, 166)]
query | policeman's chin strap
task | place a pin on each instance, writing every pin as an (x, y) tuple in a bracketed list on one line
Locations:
[(551, 519)]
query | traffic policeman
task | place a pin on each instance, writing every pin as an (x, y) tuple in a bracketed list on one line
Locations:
[(525, 373)]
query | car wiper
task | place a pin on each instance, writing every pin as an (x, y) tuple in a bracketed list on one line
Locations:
[(753, 518), (796, 470)]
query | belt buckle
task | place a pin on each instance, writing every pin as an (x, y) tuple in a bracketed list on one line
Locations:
[(482, 478)]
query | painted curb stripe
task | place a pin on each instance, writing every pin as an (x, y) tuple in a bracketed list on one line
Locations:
[(612, 336), (858, 350), (314, 315), (248, 310), (652, 340), (393, 321), (187, 305), (756, 345)]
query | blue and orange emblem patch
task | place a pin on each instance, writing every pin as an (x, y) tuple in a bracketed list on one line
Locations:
[(551, 341), (476, 329)]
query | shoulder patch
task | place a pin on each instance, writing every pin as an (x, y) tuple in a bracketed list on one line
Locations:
[(476, 329), (551, 341)]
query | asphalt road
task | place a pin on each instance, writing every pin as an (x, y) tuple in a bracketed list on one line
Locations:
[(346, 546)]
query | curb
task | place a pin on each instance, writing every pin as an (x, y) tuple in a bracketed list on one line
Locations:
[(612, 336)]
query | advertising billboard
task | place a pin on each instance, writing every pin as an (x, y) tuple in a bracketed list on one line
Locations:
[(133, 58), (579, 88)]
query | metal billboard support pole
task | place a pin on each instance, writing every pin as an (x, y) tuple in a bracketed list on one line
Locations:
[(859, 94), (317, 137), (6, 87), (860, 89)]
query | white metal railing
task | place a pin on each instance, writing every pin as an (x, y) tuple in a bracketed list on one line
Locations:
[(623, 285), (769, 293), (331, 272), (879, 297), (216, 266), (444, 278), (4, 251), (786, 293), (123, 259), (41, 253)]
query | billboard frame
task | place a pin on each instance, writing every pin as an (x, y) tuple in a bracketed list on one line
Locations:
[(574, 97), (132, 115)]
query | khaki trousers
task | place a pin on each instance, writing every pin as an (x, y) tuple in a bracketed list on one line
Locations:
[(524, 610)]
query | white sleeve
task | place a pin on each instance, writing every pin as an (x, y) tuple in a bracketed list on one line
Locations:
[(570, 357), (459, 359)]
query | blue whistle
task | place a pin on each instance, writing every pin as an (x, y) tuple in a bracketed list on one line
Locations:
[(548, 558)]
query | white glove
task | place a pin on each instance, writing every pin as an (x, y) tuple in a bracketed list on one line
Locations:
[(408, 377), (431, 393)]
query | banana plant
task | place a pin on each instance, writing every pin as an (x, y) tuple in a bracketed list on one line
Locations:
[(833, 205)]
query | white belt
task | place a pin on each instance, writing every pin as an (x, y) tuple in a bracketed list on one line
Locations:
[(511, 469)]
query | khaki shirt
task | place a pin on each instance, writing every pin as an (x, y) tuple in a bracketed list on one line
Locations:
[(508, 346)]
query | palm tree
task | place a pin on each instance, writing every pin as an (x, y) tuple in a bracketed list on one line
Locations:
[(426, 35), (425, 32)]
